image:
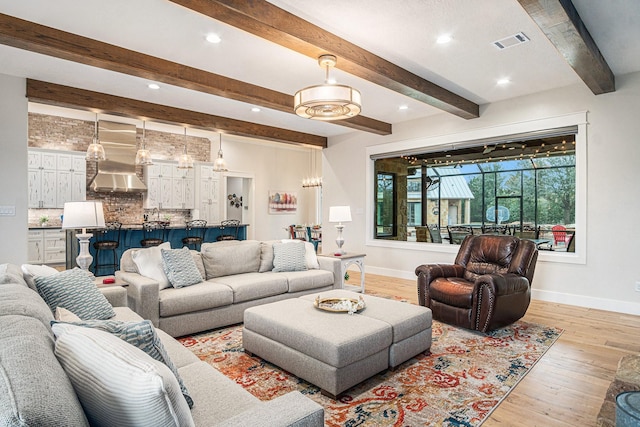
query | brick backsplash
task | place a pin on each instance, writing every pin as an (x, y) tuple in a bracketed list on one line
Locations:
[(65, 134)]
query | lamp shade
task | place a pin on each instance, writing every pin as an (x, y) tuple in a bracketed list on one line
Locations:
[(83, 215), (340, 214)]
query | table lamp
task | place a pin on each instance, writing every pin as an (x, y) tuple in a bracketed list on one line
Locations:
[(340, 214), (83, 215)]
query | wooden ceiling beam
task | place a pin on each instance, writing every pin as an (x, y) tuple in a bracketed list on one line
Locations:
[(560, 22), (66, 96), (267, 21), (38, 38)]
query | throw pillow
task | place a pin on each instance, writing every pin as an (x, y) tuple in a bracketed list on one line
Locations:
[(31, 271), (149, 263), (139, 334), (289, 257), (310, 255), (75, 291), (119, 384), (64, 315), (180, 268)]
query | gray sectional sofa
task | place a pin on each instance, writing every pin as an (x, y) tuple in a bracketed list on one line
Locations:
[(36, 391), (236, 275)]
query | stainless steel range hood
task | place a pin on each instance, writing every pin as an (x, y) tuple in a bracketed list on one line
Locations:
[(118, 172)]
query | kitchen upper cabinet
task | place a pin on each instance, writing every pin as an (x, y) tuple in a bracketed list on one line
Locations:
[(208, 193), (55, 178), (169, 187), (42, 179)]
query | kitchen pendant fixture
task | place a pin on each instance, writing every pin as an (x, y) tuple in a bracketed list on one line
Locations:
[(143, 156), (220, 165), (327, 101), (185, 161), (95, 151)]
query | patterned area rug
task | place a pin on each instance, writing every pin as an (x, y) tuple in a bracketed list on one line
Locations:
[(459, 383)]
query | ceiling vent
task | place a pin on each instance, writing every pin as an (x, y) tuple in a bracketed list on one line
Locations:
[(511, 41)]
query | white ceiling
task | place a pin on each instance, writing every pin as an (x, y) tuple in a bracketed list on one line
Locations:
[(403, 32)]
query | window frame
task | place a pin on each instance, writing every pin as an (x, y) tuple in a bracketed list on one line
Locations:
[(442, 142)]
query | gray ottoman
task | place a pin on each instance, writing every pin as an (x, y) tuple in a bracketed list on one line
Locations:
[(336, 351)]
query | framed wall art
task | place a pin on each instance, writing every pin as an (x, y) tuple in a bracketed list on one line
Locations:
[(283, 202)]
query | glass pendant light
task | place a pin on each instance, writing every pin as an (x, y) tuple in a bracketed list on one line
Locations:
[(185, 161), (220, 165), (143, 156), (95, 151)]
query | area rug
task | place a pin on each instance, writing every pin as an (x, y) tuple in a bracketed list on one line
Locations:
[(459, 383)]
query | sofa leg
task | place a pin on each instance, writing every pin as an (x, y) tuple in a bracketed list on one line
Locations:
[(329, 395)]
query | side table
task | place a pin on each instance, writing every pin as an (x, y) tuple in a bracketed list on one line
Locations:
[(98, 281), (345, 261)]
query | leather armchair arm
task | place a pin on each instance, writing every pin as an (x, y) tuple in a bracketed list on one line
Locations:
[(428, 272), (489, 288)]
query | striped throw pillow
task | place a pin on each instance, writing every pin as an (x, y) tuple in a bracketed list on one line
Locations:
[(180, 267), (75, 291), (139, 334), (117, 383)]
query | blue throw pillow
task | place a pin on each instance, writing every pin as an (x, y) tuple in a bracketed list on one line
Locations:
[(75, 291), (139, 334), (289, 257), (180, 268)]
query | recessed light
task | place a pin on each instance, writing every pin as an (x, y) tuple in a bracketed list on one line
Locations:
[(443, 39), (153, 86), (503, 81), (403, 107), (213, 38), (255, 109)]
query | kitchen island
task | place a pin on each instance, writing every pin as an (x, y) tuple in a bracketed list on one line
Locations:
[(131, 235)]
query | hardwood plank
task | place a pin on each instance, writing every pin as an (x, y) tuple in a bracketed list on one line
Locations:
[(560, 22), (265, 20), (61, 44), (569, 383), (50, 93)]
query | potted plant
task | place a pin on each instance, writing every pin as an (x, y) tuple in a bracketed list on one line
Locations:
[(44, 220)]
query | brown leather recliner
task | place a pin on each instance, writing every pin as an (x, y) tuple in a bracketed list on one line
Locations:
[(488, 287)]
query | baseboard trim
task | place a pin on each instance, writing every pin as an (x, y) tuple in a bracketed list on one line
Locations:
[(605, 304)]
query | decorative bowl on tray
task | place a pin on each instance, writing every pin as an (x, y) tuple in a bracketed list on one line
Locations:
[(346, 305)]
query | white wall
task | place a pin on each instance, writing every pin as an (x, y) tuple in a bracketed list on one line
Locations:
[(13, 169), (607, 279)]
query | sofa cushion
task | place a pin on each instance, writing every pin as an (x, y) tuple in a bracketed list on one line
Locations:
[(251, 286), (307, 280), (19, 300), (180, 268), (203, 296), (119, 384), (148, 261), (289, 256), (228, 400), (139, 334), (75, 291), (34, 389), (31, 271), (11, 273), (228, 258)]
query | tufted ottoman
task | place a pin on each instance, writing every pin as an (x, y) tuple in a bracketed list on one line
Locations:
[(336, 351)]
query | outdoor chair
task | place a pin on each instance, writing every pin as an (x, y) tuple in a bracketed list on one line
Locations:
[(457, 233), (487, 287)]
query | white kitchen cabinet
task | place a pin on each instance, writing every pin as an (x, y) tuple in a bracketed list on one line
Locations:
[(208, 193), (42, 179), (46, 246), (55, 178), (169, 187)]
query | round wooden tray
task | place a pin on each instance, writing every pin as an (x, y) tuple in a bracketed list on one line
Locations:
[(343, 305)]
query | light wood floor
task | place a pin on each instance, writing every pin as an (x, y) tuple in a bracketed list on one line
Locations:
[(567, 386)]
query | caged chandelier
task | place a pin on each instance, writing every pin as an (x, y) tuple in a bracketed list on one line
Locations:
[(327, 101)]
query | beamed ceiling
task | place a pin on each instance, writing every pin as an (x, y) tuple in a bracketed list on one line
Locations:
[(101, 56)]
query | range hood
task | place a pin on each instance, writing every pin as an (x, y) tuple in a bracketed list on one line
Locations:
[(118, 172)]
